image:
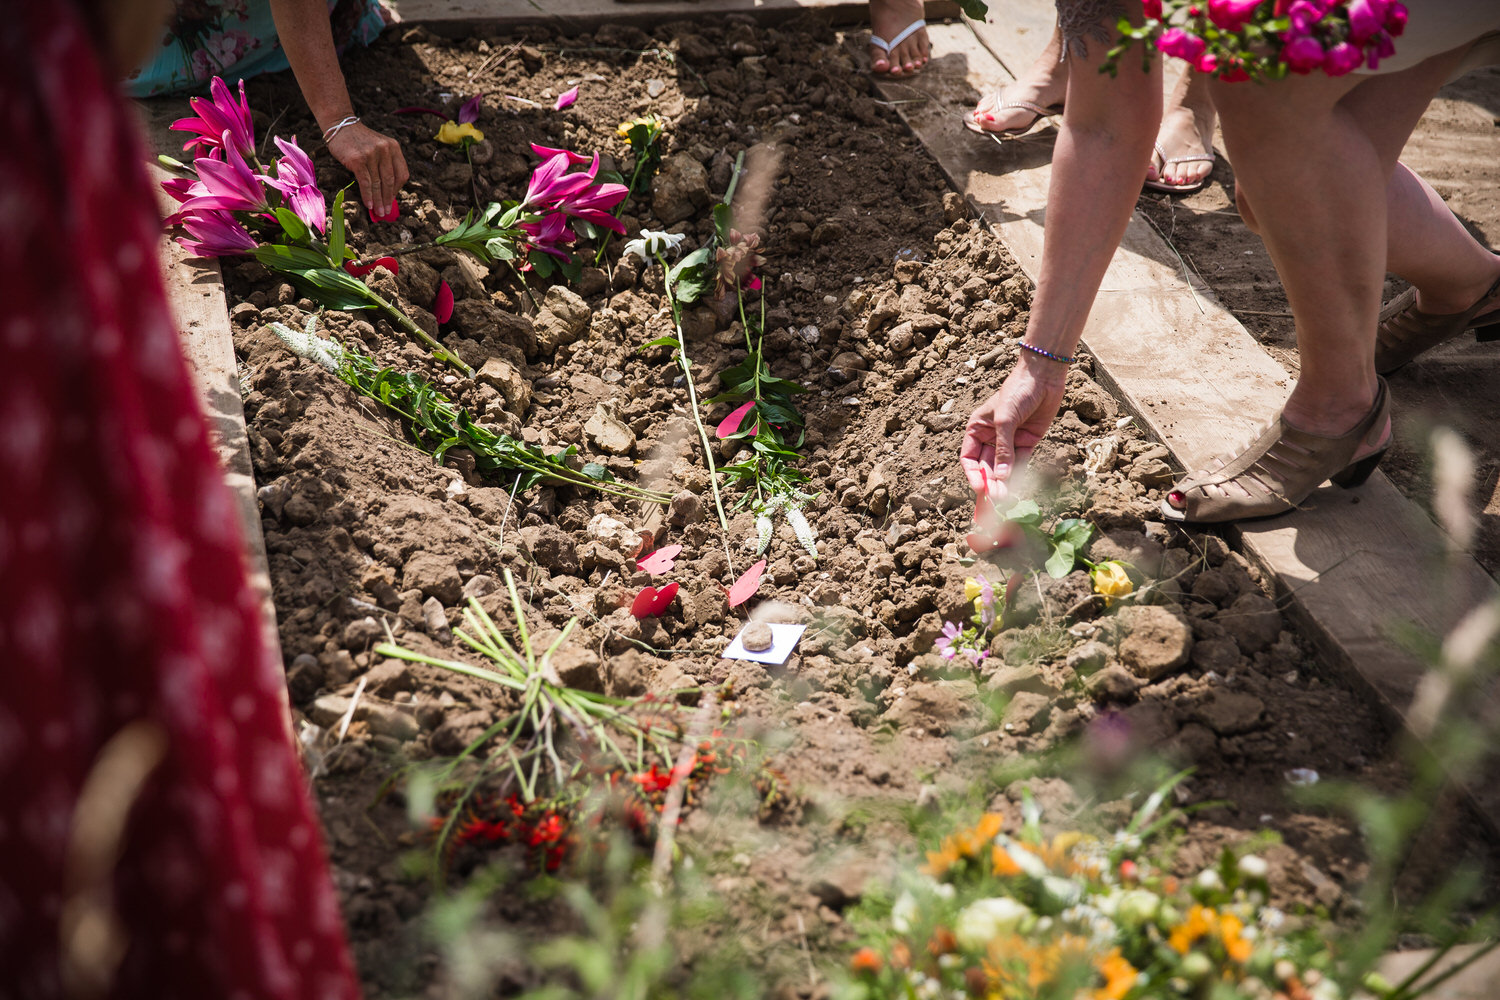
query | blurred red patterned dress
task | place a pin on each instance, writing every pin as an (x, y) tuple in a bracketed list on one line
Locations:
[(123, 594)]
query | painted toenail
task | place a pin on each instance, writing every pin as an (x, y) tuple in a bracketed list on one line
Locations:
[(1177, 499)]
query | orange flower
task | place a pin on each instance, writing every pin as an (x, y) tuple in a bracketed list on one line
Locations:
[(1236, 946), (943, 942), (865, 961), (1002, 863), (1200, 920), (1119, 976), (900, 955)]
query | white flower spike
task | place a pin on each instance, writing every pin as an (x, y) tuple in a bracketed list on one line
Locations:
[(651, 244), (307, 344)]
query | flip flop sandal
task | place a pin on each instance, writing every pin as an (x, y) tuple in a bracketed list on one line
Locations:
[(1039, 114), (886, 46), (1198, 185), (1406, 331), (1280, 470)]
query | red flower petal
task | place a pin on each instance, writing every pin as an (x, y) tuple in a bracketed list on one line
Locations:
[(360, 270), (391, 214), (731, 424), (663, 600), (443, 307), (641, 606), (659, 561), (391, 264), (745, 587), (566, 99)]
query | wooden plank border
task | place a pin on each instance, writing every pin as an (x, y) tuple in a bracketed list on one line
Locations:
[(461, 17), (1355, 568)]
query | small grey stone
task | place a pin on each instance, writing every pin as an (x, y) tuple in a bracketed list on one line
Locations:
[(757, 637), (435, 619), (479, 585), (686, 508), (359, 634), (1155, 641), (1253, 621)]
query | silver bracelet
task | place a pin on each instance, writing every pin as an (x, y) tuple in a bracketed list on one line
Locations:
[(335, 129)]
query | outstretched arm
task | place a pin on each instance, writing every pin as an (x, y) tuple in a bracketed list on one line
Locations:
[(1101, 155), (375, 159)]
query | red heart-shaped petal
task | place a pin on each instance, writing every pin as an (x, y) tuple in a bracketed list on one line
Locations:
[(641, 606), (745, 587), (659, 561), (663, 600), (443, 307)]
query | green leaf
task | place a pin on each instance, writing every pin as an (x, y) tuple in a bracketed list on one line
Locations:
[(279, 257), (974, 10), (336, 229), (1024, 512), (597, 472), (295, 228), (693, 276), (667, 341), (1060, 563), (1074, 531), (723, 222)]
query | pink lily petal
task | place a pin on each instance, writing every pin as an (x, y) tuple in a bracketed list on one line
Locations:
[(443, 307), (751, 284), (659, 561), (745, 587), (469, 112), (731, 424), (566, 99), (548, 152)]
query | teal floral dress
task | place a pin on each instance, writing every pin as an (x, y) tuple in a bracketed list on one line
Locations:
[(235, 39)]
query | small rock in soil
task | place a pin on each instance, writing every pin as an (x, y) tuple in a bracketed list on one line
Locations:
[(1088, 657), (1220, 655), (1155, 641), (1028, 712), (388, 677), (459, 731), (551, 547), (305, 677), (757, 637), (479, 585), (679, 188), (359, 634), (607, 433), (1114, 683), (578, 667), (435, 576), (1230, 713), (563, 318), (935, 706), (435, 619), (1252, 621), (686, 508)]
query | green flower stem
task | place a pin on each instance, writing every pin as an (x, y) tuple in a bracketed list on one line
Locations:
[(406, 323), (687, 371), (635, 174)]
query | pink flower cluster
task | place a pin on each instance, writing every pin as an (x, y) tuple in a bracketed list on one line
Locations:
[(556, 196), (224, 143), (1336, 37)]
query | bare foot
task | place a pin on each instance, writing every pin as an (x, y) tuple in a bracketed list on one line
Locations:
[(888, 19), (1044, 84), (1183, 134)]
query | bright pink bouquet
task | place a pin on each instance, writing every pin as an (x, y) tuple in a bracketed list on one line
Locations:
[(1266, 39)]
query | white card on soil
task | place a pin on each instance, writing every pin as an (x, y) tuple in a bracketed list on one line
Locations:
[(783, 641)]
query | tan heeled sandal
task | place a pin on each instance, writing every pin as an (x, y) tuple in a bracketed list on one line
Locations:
[(1280, 470), (1406, 331)]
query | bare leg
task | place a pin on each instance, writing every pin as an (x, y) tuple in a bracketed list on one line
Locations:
[(888, 18), (1430, 248), (1187, 129), (1044, 83), (1315, 159)]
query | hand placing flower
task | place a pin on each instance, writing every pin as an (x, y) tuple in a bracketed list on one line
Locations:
[(375, 160)]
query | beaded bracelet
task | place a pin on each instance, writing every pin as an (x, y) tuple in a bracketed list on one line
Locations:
[(338, 127), (1047, 354)]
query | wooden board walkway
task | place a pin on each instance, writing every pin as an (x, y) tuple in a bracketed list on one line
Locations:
[(459, 16), (1354, 567)]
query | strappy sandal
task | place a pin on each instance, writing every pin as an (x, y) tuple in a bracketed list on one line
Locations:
[(1280, 470), (1210, 157), (1038, 112), (1406, 331), (903, 35)]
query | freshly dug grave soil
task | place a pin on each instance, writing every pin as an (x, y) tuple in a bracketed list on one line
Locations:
[(898, 314), (1455, 147)]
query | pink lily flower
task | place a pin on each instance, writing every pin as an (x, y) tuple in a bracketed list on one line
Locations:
[(183, 188), (550, 184), (215, 233), (1232, 15), (221, 121), (298, 183), (231, 183), (549, 235), (469, 111), (593, 205), (547, 153)]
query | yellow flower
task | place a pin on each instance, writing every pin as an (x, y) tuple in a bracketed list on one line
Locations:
[(1111, 580), (651, 122), (972, 589), (1238, 948), (455, 134)]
